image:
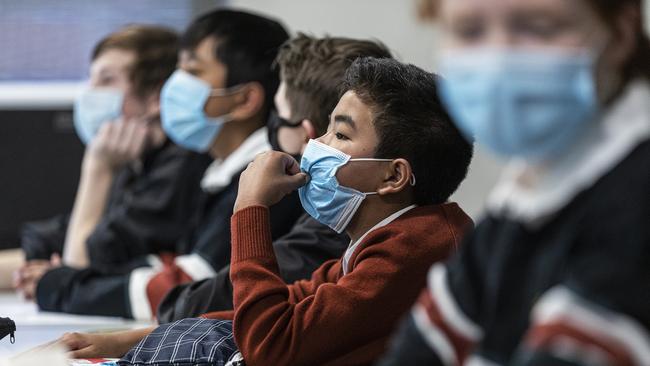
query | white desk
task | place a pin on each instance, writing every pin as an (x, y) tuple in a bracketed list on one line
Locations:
[(34, 327)]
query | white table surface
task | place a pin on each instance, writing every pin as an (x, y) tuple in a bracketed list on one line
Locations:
[(34, 327)]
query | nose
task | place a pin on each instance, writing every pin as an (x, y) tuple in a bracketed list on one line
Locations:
[(326, 138)]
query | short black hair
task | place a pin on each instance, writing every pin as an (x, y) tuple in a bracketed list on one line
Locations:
[(411, 123), (246, 43)]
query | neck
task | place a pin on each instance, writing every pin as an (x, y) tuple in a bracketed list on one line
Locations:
[(231, 136), (372, 211)]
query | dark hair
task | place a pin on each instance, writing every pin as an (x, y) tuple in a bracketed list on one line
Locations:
[(247, 44), (411, 123), (156, 53), (639, 63), (313, 68)]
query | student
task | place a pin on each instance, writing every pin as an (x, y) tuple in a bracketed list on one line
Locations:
[(311, 70), (137, 188), (558, 272), (388, 137), (219, 102)]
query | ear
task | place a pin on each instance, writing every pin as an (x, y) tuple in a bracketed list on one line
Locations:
[(397, 177), (248, 102), (310, 130)]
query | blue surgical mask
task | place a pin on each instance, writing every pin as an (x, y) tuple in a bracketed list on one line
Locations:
[(323, 197), (182, 103), (520, 103), (94, 107)]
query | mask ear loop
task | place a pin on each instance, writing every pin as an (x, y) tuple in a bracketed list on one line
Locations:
[(370, 159), (222, 92), (225, 92), (413, 181)]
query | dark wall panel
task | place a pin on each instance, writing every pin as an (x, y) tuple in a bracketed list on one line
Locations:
[(40, 157)]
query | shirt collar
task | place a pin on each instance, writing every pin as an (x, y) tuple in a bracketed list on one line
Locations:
[(353, 246), (532, 193), (221, 172)]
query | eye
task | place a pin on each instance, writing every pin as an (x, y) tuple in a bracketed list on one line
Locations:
[(541, 26), (468, 28), (469, 33), (106, 80), (340, 136)]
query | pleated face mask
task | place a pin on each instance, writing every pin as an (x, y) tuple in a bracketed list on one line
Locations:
[(93, 108), (524, 103), (182, 103), (323, 197)]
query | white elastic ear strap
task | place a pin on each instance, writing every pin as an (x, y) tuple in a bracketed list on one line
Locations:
[(413, 181), (370, 159)]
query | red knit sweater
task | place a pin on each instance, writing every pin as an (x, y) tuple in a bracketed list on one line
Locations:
[(334, 319)]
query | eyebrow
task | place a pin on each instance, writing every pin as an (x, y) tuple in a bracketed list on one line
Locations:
[(345, 119)]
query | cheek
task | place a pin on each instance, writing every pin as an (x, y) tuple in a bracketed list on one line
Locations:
[(361, 176), (291, 139), (217, 107), (132, 107)]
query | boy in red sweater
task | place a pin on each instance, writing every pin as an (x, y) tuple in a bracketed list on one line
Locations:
[(383, 173)]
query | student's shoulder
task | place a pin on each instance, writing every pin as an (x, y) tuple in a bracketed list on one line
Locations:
[(435, 224), (436, 218), (632, 170), (421, 236), (625, 190)]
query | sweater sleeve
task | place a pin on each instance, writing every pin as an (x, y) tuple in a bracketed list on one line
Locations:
[(83, 291), (341, 312)]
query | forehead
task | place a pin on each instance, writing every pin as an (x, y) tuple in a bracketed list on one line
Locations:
[(205, 51), (508, 7), (202, 62), (351, 105), (112, 60)]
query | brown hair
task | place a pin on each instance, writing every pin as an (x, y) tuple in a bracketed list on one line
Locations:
[(313, 70), (156, 54), (639, 63)]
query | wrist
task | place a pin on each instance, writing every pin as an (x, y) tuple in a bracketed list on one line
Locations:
[(246, 202), (96, 165)]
